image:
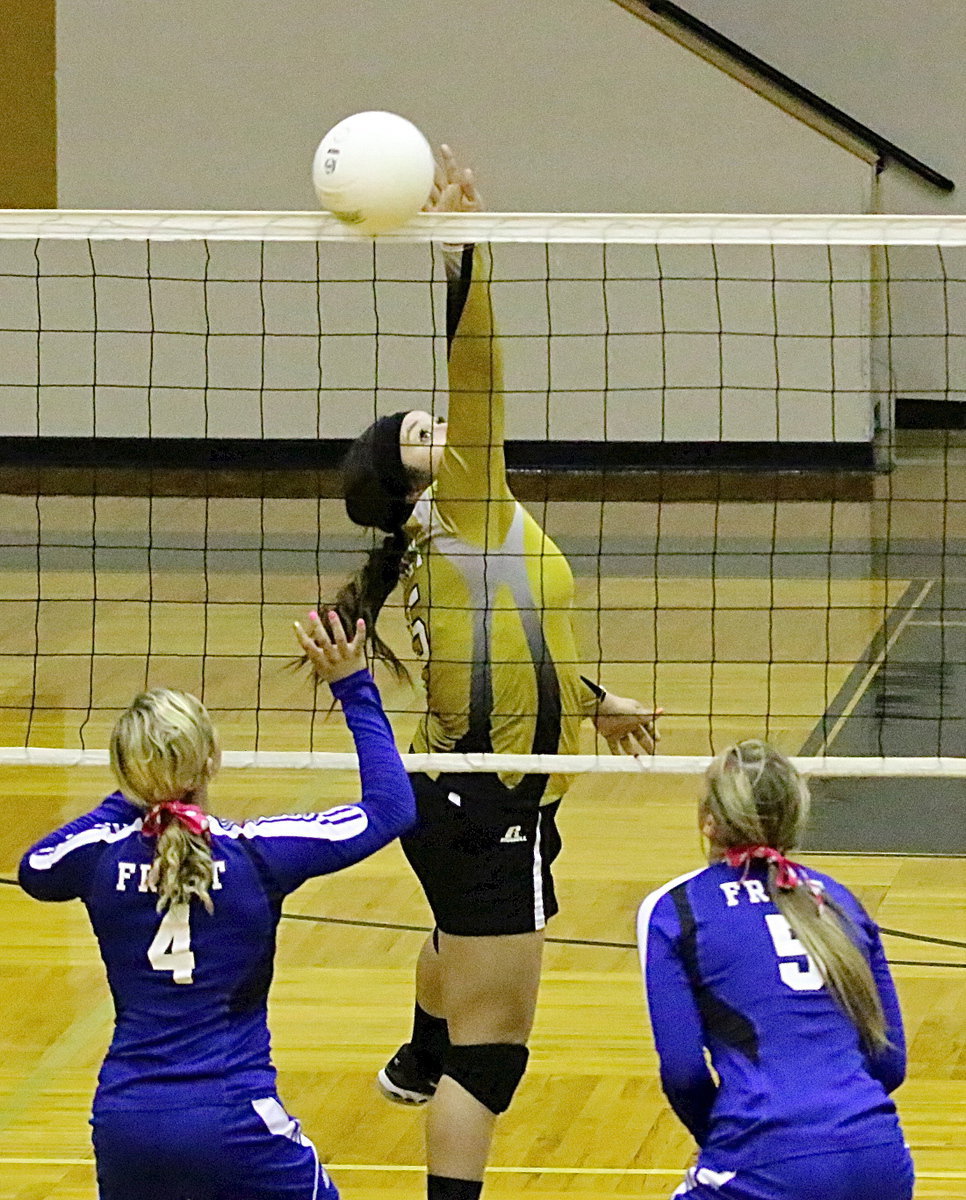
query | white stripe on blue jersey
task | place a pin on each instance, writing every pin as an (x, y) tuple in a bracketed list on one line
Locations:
[(49, 856), (335, 825), (725, 976), (190, 985), (644, 917)]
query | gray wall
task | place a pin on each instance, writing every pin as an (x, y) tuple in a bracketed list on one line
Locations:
[(574, 106), (222, 341), (895, 66)]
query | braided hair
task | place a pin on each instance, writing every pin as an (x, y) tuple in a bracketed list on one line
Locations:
[(759, 805)]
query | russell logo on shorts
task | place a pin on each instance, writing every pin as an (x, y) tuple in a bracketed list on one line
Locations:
[(513, 835)]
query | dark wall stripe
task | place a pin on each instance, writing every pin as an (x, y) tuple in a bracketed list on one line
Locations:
[(271, 454), (912, 413), (538, 471)]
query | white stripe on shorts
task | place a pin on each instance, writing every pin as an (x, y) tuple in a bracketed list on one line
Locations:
[(539, 920), (697, 1176), (278, 1121)]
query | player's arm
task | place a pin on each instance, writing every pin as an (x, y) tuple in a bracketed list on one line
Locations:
[(296, 847), (60, 866), (675, 1019), (888, 1065), (472, 495)]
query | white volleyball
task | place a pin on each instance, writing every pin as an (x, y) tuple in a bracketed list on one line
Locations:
[(374, 171)]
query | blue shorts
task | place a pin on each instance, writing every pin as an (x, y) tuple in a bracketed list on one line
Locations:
[(876, 1173), (250, 1151)]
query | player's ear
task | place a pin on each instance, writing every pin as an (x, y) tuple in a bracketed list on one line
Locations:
[(213, 765)]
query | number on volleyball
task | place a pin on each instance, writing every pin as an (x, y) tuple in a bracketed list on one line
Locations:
[(373, 171)]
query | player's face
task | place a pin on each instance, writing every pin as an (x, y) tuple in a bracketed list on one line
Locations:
[(421, 441)]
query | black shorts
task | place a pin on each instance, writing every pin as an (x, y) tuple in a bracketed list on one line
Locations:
[(483, 861)]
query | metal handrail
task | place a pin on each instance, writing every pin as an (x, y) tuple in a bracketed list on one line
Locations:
[(884, 150)]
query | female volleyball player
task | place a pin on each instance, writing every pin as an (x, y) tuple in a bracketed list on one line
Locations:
[(489, 603), (186, 1105), (780, 974)]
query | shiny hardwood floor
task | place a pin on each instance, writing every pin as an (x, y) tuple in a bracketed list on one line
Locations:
[(589, 1119), (758, 647)]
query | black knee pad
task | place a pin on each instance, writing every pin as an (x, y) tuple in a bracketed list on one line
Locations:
[(490, 1072)]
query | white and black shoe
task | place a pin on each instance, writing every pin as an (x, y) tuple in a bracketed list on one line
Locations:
[(404, 1080)]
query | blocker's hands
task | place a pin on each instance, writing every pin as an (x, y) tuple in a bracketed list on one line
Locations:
[(627, 726), (332, 657), (454, 187)]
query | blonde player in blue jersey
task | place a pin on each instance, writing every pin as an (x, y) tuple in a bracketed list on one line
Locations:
[(779, 973), (184, 907), (489, 602)]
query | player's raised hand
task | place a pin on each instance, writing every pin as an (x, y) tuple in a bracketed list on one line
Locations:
[(331, 655), (627, 726), (454, 187)]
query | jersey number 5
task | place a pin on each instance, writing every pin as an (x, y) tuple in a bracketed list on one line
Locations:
[(793, 975), (418, 626), (171, 948)]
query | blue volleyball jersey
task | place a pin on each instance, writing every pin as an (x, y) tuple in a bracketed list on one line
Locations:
[(724, 973), (190, 988)]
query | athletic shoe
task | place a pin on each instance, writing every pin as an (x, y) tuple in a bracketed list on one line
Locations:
[(404, 1081)]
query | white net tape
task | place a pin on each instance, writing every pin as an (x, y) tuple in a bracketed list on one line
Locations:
[(629, 228), (569, 764)]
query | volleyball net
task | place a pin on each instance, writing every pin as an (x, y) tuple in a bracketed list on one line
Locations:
[(719, 420)]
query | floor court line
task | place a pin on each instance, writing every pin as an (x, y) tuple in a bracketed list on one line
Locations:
[(59, 1054), (410, 1168), (874, 667)]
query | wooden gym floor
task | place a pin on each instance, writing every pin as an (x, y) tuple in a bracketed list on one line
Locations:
[(759, 639)]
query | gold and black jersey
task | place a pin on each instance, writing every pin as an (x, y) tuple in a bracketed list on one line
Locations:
[(489, 597)]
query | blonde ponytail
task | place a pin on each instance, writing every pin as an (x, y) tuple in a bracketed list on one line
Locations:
[(182, 868), (756, 797), (164, 748), (821, 927)]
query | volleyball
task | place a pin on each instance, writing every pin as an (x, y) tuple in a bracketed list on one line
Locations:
[(374, 171)]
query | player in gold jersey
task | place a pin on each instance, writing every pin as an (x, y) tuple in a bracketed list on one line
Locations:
[(489, 601)]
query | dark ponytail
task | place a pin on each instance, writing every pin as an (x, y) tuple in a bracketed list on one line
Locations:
[(377, 489), (368, 590)]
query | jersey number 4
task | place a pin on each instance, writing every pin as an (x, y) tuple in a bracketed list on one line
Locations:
[(795, 975), (171, 948)]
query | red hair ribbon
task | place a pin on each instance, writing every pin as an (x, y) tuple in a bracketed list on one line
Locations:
[(788, 877), (160, 816)]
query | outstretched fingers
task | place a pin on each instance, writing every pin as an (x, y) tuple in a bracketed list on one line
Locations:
[(314, 639), (341, 646), (454, 187), (471, 197), (645, 737), (328, 648), (354, 647), (636, 734), (447, 168)]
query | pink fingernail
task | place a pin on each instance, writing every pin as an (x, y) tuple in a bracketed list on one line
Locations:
[(314, 615)]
